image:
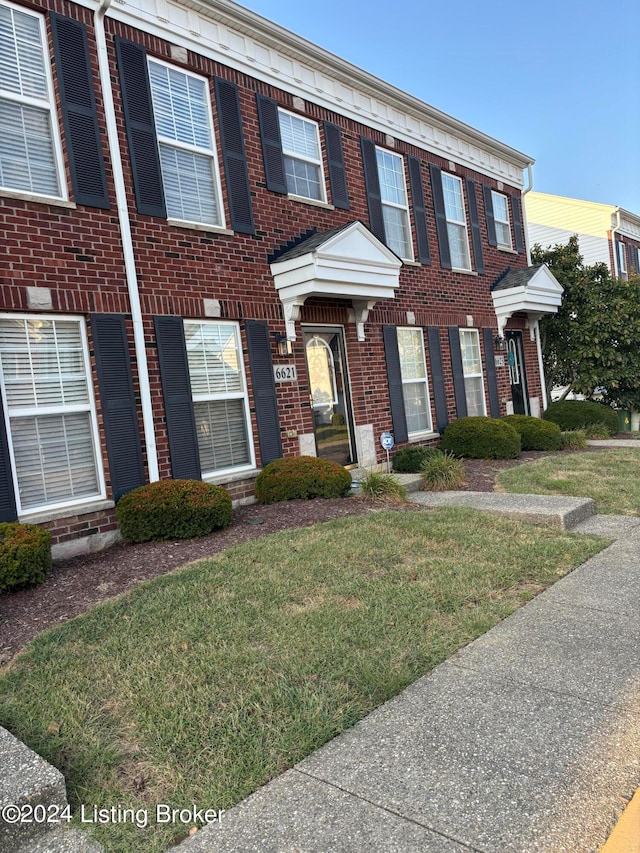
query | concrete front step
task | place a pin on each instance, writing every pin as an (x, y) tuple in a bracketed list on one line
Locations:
[(560, 512), (62, 841)]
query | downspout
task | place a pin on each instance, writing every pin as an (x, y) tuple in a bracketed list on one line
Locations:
[(614, 248), (127, 241), (536, 327)]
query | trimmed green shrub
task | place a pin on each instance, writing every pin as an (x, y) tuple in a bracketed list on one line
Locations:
[(173, 509), (535, 434), (301, 477), (573, 439), (577, 414), (383, 487), (409, 460), (442, 471), (481, 438), (596, 431), (25, 554)]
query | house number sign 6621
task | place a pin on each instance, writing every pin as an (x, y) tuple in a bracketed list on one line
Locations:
[(285, 373)]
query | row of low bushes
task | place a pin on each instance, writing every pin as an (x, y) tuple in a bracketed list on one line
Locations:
[(183, 509)]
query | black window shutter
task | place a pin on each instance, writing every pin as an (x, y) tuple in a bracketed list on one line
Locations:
[(476, 235), (337, 171), (492, 379), (264, 391), (419, 211), (234, 156), (631, 255), (178, 405), (437, 377), (441, 216), (516, 212), (119, 412), (394, 379), (488, 215), (8, 510), (141, 129), (271, 144), (79, 115), (456, 368), (372, 187)]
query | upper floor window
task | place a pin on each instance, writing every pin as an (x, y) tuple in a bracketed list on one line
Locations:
[(302, 156), (472, 370), (50, 413), (622, 258), (415, 387), (456, 222), (184, 124), (220, 403), (395, 209), (30, 153), (501, 219)]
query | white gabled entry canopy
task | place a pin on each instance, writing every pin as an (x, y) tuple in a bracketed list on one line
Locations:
[(534, 291), (348, 262)]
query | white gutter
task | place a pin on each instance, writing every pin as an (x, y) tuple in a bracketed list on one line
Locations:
[(616, 271), (127, 241)]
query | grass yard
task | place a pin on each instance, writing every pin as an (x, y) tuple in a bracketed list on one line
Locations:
[(610, 477), (201, 685)]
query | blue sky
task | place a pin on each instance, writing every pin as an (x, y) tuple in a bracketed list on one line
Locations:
[(559, 81)]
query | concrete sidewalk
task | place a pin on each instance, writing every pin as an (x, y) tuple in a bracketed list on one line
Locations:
[(526, 740)]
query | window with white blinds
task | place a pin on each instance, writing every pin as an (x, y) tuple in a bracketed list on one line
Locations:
[(395, 208), (302, 157), (456, 222), (472, 369), (184, 124), (415, 386), (220, 402), (50, 412), (501, 219), (30, 153)]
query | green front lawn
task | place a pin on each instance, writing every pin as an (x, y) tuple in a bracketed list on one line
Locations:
[(610, 477), (203, 684)]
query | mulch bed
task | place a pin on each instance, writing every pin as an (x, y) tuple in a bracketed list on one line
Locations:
[(78, 584)]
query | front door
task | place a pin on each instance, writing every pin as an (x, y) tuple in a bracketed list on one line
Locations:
[(517, 373), (329, 394)]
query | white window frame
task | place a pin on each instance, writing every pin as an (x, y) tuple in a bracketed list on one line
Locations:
[(40, 411), (243, 394), (413, 436), (456, 223), (403, 207), (479, 375), (506, 222), (48, 105), (296, 155), (622, 257), (638, 260), (211, 153)]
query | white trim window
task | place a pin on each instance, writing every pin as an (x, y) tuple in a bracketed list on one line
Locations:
[(622, 258), (49, 411), (395, 208), (188, 158), (302, 157), (415, 386), (638, 261), (456, 222), (30, 151), (220, 401), (472, 370), (501, 220)]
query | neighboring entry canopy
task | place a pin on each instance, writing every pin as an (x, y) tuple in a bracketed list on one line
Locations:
[(534, 291), (348, 262)]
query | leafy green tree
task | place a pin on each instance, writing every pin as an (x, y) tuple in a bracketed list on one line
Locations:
[(593, 342)]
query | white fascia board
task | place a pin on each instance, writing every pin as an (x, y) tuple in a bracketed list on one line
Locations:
[(335, 290), (249, 43)]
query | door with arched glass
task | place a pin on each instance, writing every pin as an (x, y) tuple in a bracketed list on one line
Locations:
[(517, 373), (329, 394)]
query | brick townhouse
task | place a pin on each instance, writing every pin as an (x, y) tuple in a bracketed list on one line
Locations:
[(224, 245)]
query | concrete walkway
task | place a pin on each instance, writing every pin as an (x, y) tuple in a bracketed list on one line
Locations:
[(526, 740)]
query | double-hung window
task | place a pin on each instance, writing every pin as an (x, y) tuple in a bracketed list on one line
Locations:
[(395, 209), (622, 259), (184, 125), (302, 157), (30, 152), (501, 219), (415, 387), (472, 370), (49, 411), (456, 222), (219, 388)]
